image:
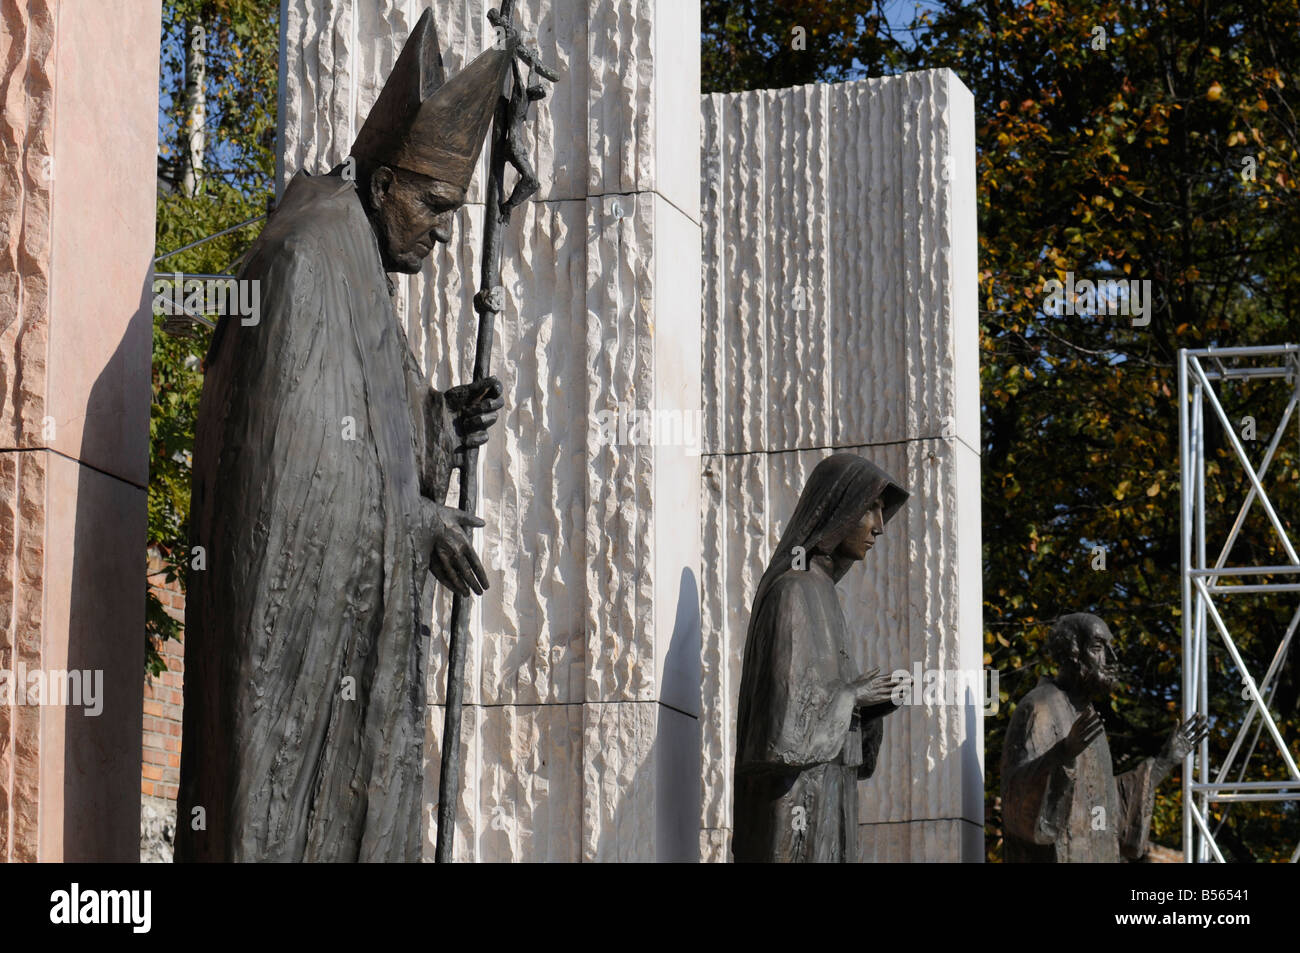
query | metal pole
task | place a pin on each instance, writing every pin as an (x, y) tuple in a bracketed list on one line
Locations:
[(1261, 350), (1231, 434), (1231, 572), (1262, 587), (1201, 687), (1252, 786), (224, 231), (1267, 684), (1263, 470), (1185, 557)]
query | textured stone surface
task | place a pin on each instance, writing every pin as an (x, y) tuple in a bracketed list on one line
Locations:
[(840, 313), (620, 484), (596, 135), (715, 846), (532, 481), (640, 770), (592, 617), (22, 551), (157, 829), (78, 140), (525, 802), (27, 48), (618, 797), (829, 218), (921, 841)]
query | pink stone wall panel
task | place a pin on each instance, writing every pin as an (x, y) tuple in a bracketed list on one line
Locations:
[(95, 577), (27, 36), (106, 143), (77, 146), (27, 39)]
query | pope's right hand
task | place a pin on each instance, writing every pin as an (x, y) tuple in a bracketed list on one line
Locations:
[(453, 561)]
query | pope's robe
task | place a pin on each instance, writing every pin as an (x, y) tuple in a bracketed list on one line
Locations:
[(318, 453), (1057, 814), (802, 743)]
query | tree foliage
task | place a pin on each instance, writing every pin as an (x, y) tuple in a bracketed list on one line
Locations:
[(240, 46), (772, 44), (1152, 142)]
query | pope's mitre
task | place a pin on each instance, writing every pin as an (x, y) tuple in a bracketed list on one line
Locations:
[(423, 122)]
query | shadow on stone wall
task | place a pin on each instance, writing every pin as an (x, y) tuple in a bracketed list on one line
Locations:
[(101, 754), (672, 771)]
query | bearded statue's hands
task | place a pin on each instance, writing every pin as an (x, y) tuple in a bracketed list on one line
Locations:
[(1184, 739), (1085, 730), (473, 409)]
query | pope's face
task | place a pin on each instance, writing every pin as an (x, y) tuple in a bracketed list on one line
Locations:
[(411, 213), (862, 537)]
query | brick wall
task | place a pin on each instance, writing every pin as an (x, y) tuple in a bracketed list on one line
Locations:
[(161, 756)]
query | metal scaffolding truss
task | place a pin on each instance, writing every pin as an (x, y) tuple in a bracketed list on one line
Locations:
[(1204, 784)]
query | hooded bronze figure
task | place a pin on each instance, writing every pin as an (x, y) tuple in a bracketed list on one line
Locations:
[(809, 725), (321, 467)]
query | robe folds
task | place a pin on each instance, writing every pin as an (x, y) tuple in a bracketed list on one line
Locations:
[(801, 742), (1057, 814), (318, 453)]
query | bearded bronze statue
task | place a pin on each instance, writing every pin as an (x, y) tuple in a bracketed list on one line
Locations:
[(1061, 800)]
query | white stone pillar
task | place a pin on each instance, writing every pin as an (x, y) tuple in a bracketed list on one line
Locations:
[(581, 735), (840, 313)]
